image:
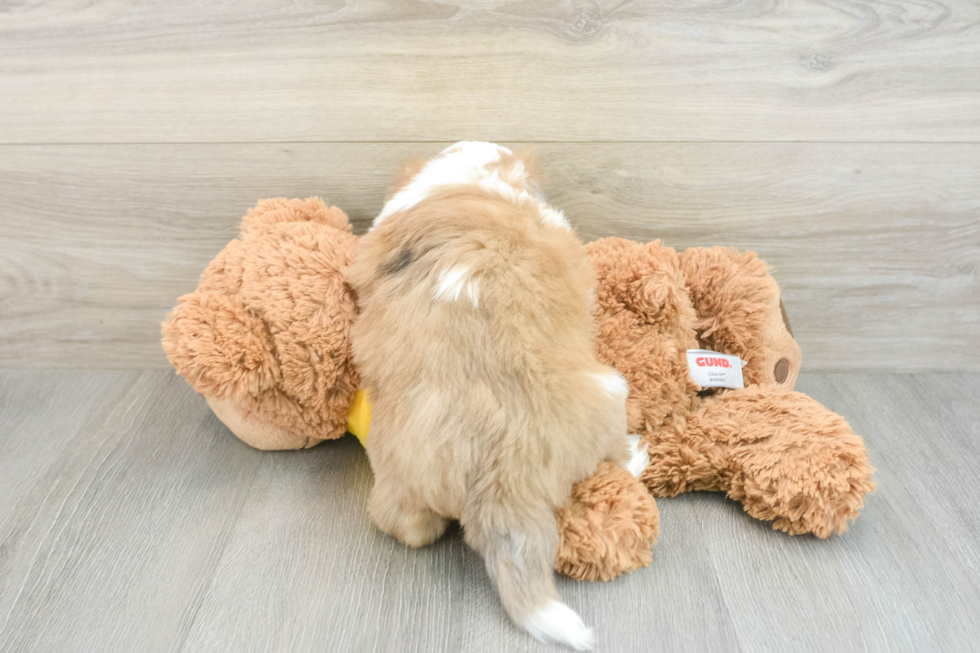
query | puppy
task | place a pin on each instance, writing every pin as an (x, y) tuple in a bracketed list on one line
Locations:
[(475, 341)]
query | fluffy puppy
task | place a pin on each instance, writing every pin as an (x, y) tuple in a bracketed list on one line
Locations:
[(475, 341)]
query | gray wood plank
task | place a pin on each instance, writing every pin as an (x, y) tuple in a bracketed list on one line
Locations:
[(493, 70), (890, 583), (152, 528), (876, 246), (113, 547), (925, 436), (719, 581), (40, 413), (306, 571)]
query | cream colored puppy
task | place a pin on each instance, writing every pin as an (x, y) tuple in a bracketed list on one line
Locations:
[(475, 339)]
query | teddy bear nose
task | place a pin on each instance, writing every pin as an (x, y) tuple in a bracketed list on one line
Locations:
[(781, 370)]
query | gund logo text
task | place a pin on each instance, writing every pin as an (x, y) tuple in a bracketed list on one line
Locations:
[(706, 361)]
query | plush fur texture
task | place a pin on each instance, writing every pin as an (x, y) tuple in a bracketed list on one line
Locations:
[(783, 455), (475, 338), (739, 312), (606, 526), (225, 354), (266, 335), (788, 459)]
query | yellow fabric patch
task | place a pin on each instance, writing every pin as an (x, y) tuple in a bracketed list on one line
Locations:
[(359, 417)]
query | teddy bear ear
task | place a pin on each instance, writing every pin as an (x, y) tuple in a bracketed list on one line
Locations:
[(278, 210), (219, 346)]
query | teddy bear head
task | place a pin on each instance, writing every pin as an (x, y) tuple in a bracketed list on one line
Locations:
[(740, 312), (653, 304), (266, 335)]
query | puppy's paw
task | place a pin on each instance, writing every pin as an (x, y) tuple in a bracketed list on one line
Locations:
[(423, 528)]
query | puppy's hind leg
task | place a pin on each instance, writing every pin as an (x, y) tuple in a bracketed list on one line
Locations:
[(640, 457), (395, 513), (626, 451)]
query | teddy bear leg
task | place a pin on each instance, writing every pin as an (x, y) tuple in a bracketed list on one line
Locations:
[(788, 459), (607, 527), (398, 515)]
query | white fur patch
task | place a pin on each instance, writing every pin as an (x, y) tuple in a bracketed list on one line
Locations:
[(478, 149), (640, 457), (454, 282), (507, 188), (613, 384), (463, 163), (493, 183), (451, 283), (466, 163), (555, 217), (472, 291), (559, 623)]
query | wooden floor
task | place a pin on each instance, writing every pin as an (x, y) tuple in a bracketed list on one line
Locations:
[(132, 520)]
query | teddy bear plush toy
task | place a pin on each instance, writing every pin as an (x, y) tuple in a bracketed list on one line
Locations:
[(784, 456), (265, 339)]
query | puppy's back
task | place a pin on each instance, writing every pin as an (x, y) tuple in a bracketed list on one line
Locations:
[(475, 337)]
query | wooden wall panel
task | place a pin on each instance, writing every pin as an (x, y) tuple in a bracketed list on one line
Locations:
[(876, 246), (561, 70)]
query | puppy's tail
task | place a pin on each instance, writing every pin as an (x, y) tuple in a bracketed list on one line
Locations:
[(518, 545)]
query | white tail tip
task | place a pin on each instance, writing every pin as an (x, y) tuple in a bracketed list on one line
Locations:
[(559, 623)]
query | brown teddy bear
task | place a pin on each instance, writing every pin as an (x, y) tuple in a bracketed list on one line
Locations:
[(786, 457), (265, 339)]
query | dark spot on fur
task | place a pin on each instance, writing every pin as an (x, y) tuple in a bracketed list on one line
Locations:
[(403, 261)]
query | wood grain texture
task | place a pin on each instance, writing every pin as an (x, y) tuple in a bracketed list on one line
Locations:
[(876, 246), (149, 527), (113, 546), (36, 424), (570, 70), (885, 564)]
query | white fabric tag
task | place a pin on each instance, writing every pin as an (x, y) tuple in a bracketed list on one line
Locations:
[(709, 369)]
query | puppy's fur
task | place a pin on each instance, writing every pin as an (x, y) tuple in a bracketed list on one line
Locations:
[(475, 339)]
